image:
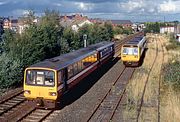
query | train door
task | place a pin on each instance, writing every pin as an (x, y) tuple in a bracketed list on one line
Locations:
[(64, 78), (62, 85)]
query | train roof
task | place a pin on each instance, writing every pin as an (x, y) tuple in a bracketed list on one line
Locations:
[(135, 41), (64, 60)]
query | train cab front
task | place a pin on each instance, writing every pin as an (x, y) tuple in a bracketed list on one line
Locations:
[(130, 55), (40, 87)]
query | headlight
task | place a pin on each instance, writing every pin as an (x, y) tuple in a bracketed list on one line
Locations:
[(27, 91), (52, 93), (136, 56)]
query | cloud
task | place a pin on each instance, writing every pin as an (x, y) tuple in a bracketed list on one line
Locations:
[(110, 9), (167, 6), (132, 5), (2, 3), (84, 6)]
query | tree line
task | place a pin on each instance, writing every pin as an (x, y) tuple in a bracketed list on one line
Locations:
[(40, 41), (154, 27)]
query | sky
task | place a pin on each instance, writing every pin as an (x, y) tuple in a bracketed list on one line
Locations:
[(134, 10)]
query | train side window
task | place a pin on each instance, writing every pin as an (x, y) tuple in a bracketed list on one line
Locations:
[(70, 71), (95, 56), (59, 78), (79, 66), (101, 54), (86, 62), (75, 68)]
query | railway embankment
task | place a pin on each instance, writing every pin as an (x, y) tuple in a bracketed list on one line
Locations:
[(170, 105)]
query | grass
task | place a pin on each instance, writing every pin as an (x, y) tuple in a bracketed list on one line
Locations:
[(170, 105), (173, 44), (170, 98)]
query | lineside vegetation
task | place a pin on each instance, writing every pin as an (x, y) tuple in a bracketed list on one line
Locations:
[(172, 69)]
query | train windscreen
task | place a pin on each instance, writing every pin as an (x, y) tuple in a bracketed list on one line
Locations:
[(40, 77), (130, 51)]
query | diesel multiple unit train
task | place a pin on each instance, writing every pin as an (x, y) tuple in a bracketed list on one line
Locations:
[(131, 51), (46, 81)]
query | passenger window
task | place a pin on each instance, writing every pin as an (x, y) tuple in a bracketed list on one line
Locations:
[(79, 66), (70, 71), (59, 78), (111, 48), (75, 68), (86, 62)]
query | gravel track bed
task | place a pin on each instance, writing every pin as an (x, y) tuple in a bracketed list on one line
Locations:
[(80, 102)]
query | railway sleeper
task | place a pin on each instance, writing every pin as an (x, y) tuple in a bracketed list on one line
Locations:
[(18, 99)]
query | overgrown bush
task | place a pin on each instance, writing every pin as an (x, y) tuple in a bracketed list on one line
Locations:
[(172, 74), (173, 45)]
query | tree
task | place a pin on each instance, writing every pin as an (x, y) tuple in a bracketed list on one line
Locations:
[(37, 43), (109, 28), (51, 17), (72, 39)]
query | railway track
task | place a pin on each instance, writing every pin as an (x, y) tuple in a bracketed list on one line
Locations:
[(160, 78), (36, 115), (15, 107), (105, 110), (146, 82), (11, 101)]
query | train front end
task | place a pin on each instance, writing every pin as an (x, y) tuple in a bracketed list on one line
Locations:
[(40, 86), (130, 55)]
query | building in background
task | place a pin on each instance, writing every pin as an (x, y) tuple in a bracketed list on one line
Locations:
[(74, 21), (167, 29), (123, 23), (178, 37)]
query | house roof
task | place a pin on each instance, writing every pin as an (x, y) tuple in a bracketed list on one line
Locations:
[(121, 22), (66, 23)]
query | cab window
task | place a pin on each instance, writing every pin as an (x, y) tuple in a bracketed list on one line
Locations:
[(40, 77)]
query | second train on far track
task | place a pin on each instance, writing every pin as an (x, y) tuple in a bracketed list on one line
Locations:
[(132, 51)]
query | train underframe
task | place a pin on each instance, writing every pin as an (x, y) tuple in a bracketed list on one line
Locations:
[(44, 103), (130, 63)]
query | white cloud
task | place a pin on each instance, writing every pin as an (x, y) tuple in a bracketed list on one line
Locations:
[(167, 6), (2, 3), (132, 5), (84, 6)]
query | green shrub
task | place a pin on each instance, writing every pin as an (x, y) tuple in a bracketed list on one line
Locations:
[(172, 74), (173, 46)]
